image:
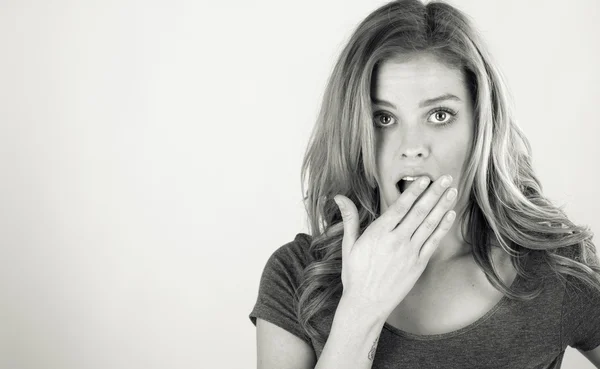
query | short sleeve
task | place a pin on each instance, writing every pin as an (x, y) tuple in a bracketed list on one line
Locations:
[(276, 302), (581, 315)]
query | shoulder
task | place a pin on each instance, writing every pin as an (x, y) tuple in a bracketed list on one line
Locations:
[(298, 248), (289, 260), (572, 285), (277, 293), (580, 307), (581, 314), (538, 273), (573, 302), (580, 292), (295, 252)]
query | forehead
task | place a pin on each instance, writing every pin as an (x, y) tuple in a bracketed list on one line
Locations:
[(415, 77)]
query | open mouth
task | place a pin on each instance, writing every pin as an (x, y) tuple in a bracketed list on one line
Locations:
[(402, 185)]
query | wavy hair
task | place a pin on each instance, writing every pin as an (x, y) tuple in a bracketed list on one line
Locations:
[(505, 197)]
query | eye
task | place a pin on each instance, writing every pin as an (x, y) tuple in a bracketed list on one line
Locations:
[(383, 119), (442, 116)]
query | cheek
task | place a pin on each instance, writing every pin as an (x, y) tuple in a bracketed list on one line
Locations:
[(453, 149), (381, 155)]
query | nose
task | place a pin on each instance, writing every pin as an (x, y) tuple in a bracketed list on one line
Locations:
[(413, 153), (413, 144)]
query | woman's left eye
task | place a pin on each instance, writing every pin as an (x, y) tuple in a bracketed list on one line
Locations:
[(442, 116)]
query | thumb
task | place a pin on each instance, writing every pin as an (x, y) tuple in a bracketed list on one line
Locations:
[(350, 220)]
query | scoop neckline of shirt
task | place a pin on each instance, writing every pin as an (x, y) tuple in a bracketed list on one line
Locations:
[(482, 319)]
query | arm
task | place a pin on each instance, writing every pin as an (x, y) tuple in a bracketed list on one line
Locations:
[(352, 342), (593, 356), (278, 348), (353, 339)]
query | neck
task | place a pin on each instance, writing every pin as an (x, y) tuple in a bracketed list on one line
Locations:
[(451, 248)]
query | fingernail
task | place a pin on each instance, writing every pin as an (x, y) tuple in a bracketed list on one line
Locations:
[(424, 182), (451, 215), (446, 181), (451, 194), (338, 202)]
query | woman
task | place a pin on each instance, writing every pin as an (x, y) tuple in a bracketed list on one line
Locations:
[(443, 253)]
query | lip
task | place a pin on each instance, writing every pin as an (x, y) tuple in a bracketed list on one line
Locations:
[(415, 173)]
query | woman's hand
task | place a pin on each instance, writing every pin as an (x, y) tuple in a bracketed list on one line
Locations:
[(382, 266)]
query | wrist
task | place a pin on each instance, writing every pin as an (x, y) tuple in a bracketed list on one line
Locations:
[(356, 308)]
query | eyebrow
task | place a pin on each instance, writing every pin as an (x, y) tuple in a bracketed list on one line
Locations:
[(423, 103)]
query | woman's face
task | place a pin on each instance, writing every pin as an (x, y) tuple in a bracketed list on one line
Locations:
[(423, 119)]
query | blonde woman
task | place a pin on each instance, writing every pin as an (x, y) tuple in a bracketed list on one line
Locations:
[(431, 245)]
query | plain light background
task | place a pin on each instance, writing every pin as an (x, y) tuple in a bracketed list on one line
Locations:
[(151, 151)]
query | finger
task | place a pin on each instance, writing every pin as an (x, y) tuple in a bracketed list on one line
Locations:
[(394, 214), (431, 222), (350, 221), (421, 208), (433, 241)]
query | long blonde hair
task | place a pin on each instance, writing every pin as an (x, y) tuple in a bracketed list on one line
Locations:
[(505, 197)]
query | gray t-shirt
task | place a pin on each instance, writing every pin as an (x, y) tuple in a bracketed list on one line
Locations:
[(532, 334)]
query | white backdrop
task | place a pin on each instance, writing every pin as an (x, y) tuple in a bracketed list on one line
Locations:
[(151, 151)]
